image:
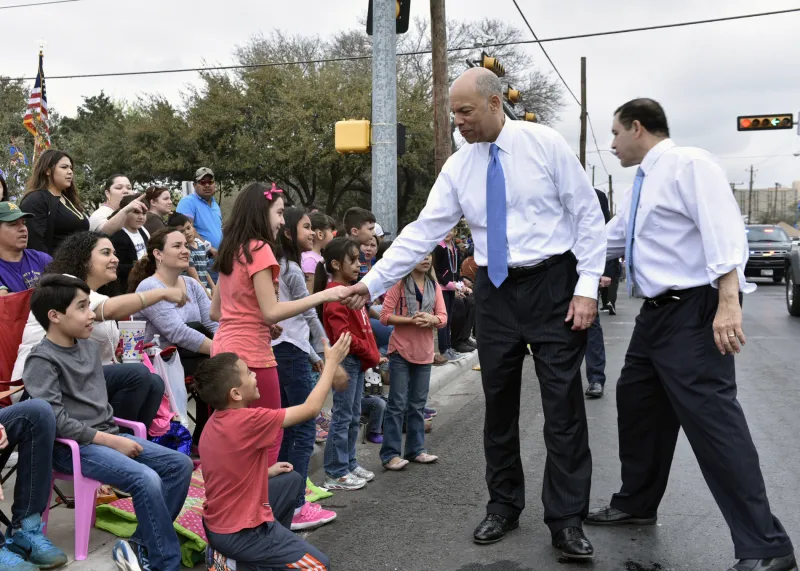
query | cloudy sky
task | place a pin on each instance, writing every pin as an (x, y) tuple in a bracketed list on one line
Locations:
[(704, 75)]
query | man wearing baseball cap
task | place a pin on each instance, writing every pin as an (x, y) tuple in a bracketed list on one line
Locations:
[(20, 268), (202, 208)]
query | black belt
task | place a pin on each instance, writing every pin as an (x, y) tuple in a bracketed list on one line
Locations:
[(671, 296), (524, 271)]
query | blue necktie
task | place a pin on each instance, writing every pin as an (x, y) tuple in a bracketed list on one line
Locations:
[(637, 191), (496, 239)]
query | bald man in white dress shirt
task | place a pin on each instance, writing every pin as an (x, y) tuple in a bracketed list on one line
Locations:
[(540, 247), (685, 249)]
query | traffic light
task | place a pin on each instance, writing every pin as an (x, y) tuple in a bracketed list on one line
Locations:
[(529, 116), (513, 95), (402, 15), (765, 122), (493, 64), (352, 136)]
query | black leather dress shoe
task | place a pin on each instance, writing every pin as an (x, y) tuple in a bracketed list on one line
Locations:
[(611, 516), (573, 544), (595, 391), (493, 528), (785, 563)]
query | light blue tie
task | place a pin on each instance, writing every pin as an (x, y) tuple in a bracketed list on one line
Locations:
[(637, 191), (496, 239)]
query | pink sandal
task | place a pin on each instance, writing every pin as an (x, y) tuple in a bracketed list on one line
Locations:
[(396, 466), (425, 458)]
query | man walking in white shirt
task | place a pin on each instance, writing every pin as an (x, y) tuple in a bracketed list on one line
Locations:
[(540, 244), (685, 250)]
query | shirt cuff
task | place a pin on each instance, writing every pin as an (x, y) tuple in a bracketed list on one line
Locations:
[(313, 357), (587, 286), (374, 284)]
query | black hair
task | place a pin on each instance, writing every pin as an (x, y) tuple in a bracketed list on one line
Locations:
[(3, 183), (248, 221), (356, 217), (215, 377), (74, 255), (177, 220), (290, 250), (55, 291), (337, 250), (648, 112), (110, 181), (321, 221), (125, 201), (382, 247)]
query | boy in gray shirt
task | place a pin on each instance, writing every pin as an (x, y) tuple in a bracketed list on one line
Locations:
[(66, 371)]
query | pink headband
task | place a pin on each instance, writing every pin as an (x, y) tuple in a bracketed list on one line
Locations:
[(273, 190)]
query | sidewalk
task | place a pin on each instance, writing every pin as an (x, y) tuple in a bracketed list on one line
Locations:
[(62, 523)]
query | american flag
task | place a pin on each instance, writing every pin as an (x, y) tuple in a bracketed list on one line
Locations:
[(36, 123)]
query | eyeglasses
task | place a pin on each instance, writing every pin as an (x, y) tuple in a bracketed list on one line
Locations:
[(206, 182)]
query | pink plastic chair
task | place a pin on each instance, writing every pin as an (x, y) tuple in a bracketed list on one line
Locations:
[(85, 491)]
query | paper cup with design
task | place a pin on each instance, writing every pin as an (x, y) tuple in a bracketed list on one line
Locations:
[(132, 335)]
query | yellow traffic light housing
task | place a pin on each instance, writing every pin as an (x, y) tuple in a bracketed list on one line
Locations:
[(493, 64), (513, 95), (765, 122), (529, 116), (352, 136)]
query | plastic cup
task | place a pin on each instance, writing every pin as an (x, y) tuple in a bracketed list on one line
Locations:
[(132, 335)]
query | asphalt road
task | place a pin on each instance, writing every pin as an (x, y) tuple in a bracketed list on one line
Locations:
[(422, 518)]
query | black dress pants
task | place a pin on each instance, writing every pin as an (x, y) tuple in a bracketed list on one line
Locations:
[(674, 376), (530, 309)]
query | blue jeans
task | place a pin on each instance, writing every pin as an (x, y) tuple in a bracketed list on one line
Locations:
[(595, 354), (408, 393), (340, 448), (158, 479), (31, 427), (381, 332), (374, 407), (294, 373)]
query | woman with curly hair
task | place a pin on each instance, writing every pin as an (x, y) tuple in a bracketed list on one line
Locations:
[(134, 393)]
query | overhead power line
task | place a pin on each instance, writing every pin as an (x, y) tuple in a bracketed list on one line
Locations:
[(561, 77), (37, 4), (412, 53)]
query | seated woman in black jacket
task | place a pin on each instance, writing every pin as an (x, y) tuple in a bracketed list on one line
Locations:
[(53, 200), (130, 245)]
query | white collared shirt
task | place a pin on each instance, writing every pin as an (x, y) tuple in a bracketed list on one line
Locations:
[(551, 208), (689, 230)]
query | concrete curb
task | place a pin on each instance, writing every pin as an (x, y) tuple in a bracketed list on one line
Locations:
[(441, 377)]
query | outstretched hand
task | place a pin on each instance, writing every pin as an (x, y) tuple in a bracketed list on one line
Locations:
[(356, 296)]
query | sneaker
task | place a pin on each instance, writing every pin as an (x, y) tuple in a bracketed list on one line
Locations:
[(311, 516), (375, 438), (130, 556), (439, 359), (11, 561), (611, 309), (348, 482), (452, 355), (363, 473), (427, 416), (464, 348), (30, 542), (431, 411)]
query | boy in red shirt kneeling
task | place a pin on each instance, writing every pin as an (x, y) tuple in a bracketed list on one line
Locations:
[(249, 504)]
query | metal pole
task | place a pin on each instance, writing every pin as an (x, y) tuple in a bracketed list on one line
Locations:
[(750, 198), (610, 196), (384, 114), (583, 113), (442, 148)]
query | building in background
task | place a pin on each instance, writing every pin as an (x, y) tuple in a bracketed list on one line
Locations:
[(770, 205)]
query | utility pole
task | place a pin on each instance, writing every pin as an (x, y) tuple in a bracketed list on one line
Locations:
[(750, 199), (384, 114), (593, 175), (442, 147), (610, 196), (583, 112)]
